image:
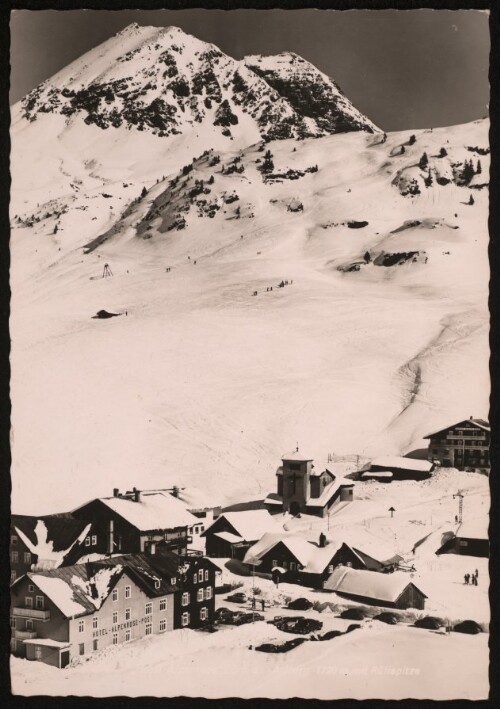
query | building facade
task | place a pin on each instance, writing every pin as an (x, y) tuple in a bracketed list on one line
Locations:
[(465, 445), (302, 489), (138, 521)]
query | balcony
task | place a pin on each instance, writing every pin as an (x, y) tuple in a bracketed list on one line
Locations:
[(24, 634), (34, 613)]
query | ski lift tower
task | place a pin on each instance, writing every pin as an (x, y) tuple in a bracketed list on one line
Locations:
[(460, 505), (106, 271)]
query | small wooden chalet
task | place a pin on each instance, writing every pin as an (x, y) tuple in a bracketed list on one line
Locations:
[(297, 560), (465, 445), (400, 468), (233, 533), (470, 539), (391, 590)]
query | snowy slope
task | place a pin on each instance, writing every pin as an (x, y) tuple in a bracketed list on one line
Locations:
[(204, 384)]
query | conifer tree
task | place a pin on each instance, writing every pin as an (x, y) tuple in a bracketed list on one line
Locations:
[(478, 168), (412, 140), (423, 162), (471, 200)]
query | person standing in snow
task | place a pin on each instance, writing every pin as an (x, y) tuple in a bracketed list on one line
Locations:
[(466, 578), (263, 603)]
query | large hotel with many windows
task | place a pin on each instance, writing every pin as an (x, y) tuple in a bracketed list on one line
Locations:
[(63, 613)]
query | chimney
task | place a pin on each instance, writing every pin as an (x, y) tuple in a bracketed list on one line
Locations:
[(471, 418), (111, 536), (175, 491), (137, 494), (116, 492)]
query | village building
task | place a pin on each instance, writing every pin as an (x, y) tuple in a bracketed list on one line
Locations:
[(138, 521), (61, 614), (465, 445), (303, 489), (232, 533), (293, 559), (46, 542), (470, 539), (391, 590), (399, 467)]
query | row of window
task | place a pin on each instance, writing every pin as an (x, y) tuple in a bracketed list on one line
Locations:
[(198, 577), (39, 600), (14, 557), (128, 615), (201, 595), (91, 540)]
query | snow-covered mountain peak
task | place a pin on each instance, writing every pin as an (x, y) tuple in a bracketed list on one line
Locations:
[(164, 81)]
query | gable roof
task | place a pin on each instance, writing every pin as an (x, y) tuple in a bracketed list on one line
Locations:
[(155, 510), (478, 423), (82, 588), (476, 528), (369, 584), (50, 539), (401, 463), (296, 456), (250, 525), (314, 559)]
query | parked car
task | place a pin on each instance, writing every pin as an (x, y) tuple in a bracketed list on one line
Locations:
[(244, 618), (237, 598), (223, 615)]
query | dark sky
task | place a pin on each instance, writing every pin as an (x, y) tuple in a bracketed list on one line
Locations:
[(403, 69)]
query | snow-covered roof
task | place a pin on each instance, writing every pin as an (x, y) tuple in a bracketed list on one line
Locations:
[(396, 461), (476, 528), (62, 594), (228, 537), (314, 559), (385, 474), (297, 456), (479, 423), (48, 642), (155, 510), (249, 524), (50, 539), (369, 584)]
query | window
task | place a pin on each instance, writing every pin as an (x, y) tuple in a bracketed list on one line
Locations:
[(95, 644), (87, 544), (28, 602), (285, 564), (115, 638), (128, 614), (81, 627), (185, 619), (163, 604), (203, 613), (31, 588), (38, 653), (81, 648), (94, 622), (39, 602), (12, 576), (27, 557), (199, 596), (14, 557), (200, 575), (275, 562), (115, 594), (185, 599), (163, 625), (208, 593), (29, 624), (13, 539), (293, 566), (195, 578), (149, 608), (149, 629), (157, 583), (94, 540), (206, 574), (128, 591), (13, 623), (330, 569), (115, 617), (128, 635), (173, 581)]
